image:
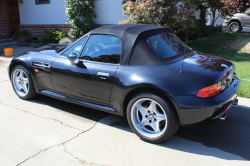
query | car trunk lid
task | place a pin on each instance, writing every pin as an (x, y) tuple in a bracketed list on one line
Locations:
[(217, 68)]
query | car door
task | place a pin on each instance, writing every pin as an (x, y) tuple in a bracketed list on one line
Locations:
[(93, 72), (60, 69)]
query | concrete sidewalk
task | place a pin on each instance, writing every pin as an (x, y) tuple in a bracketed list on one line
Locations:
[(50, 132)]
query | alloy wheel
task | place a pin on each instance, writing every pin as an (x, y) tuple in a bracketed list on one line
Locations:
[(20, 81), (149, 118)]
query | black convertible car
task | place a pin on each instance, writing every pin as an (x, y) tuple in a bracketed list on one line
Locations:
[(143, 72)]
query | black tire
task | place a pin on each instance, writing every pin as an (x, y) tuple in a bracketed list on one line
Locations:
[(31, 88), (235, 27), (173, 123)]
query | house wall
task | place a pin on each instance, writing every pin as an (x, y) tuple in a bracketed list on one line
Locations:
[(108, 11), (38, 30), (35, 18), (219, 21), (32, 14), (209, 17), (4, 26)]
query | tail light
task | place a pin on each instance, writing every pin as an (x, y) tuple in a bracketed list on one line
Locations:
[(209, 91)]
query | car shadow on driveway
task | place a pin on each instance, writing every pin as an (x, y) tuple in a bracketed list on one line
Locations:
[(70, 108), (231, 136)]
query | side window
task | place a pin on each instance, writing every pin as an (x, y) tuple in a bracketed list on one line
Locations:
[(103, 48), (75, 48)]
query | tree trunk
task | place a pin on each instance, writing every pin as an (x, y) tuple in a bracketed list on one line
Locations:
[(203, 13)]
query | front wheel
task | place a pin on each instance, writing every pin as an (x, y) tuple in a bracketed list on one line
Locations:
[(152, 117), (22, 83), (235, 27)]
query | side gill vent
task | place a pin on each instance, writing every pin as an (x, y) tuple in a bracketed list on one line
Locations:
[(41, 64)]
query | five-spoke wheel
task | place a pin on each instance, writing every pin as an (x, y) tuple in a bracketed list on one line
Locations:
[(152, 117), (148, 117), (22, 82)]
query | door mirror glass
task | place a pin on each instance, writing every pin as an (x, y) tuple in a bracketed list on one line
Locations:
[(72, 58)]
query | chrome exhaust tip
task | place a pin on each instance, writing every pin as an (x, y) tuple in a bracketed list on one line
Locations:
[(235, 102), (224, 117)]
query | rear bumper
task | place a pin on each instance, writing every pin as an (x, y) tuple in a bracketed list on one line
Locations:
[(193, 110)]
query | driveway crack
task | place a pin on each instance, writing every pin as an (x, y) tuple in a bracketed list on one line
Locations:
[(59, 145), (40, 116), (80, 160)]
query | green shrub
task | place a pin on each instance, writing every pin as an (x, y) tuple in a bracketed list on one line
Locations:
[(22, 33), (198, 31), (52, 36), (80, 15)]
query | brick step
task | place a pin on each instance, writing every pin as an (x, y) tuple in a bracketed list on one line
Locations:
[(2, 40), (8, 44)]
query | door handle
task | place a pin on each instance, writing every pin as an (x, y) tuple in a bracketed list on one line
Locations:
[(103, 75)]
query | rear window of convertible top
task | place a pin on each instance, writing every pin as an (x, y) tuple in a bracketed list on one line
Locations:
[(167, 45)]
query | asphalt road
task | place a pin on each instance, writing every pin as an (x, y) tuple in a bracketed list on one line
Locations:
[(47, 131)]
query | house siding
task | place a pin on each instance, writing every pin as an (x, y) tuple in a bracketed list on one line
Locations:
[(49, 14), (36, 18), (108, 12), (4, 26)]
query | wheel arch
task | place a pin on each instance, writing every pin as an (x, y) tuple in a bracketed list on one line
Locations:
[(138, 90), (235, 20), (14, 63)]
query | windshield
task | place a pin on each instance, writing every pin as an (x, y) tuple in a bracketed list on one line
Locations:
[(168, 45)]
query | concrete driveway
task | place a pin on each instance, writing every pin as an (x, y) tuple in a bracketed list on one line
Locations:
[(50, 132)]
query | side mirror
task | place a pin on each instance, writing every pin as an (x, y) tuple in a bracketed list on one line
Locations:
[(75, 61), (72, 57)]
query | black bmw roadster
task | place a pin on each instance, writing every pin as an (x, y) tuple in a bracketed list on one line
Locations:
[(143, 72)]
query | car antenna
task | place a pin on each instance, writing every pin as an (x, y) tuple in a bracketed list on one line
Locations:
[(184, 55)]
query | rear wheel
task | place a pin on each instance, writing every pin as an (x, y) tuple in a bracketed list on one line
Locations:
[(151, 117), (235, 27), (22, 83)]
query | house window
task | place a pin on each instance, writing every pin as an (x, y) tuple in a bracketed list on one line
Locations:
[(42, 2)]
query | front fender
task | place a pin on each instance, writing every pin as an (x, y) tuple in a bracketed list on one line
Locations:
[(237, 20), (22, 61)]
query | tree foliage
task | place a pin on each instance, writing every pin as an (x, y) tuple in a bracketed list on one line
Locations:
[(80, 15), (168, 13), (234, 6)]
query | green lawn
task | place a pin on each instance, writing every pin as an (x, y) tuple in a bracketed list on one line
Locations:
[(234, 47)]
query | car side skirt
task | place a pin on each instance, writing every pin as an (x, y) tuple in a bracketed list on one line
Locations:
[(79, 102)]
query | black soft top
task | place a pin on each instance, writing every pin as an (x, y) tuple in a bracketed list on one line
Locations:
[(135, 50)]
